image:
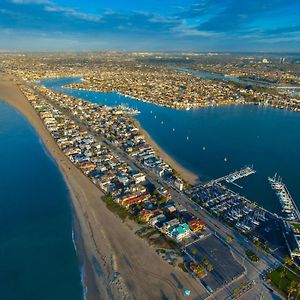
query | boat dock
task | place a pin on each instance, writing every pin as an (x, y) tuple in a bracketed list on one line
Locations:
[(288, 205), (232, 177)]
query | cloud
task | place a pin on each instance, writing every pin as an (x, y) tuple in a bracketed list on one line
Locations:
[(239, 15), (50, 7), (202, 8), (199, 23), (46, 16), (29, 1)]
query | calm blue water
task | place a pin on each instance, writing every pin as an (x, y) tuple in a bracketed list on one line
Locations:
[(292, 89), (265, 137), (37, 256), (208, 75)]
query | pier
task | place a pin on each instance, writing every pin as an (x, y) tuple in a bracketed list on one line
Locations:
[(232, 177)]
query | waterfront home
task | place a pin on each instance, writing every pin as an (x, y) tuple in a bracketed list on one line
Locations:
[(179, 232), (146, 214), (135, 200), (169, 224), (87, 167), (196, 225), (158, 218)]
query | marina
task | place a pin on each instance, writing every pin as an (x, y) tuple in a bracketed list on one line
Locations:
[(229, 205), (289, 207), (125, 109)]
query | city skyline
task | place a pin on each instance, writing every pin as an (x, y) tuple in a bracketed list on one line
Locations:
[(201, 25)]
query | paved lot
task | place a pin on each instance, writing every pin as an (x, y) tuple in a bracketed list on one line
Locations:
[(226, 268)]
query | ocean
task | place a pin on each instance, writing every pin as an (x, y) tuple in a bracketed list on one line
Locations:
[(38, 260)]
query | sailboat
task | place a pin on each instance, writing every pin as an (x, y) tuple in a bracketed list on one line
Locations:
[(225, 159)]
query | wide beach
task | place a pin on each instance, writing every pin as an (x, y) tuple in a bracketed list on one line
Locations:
[(117, 263)]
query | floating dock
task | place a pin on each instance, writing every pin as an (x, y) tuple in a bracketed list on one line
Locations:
[(288, 205)]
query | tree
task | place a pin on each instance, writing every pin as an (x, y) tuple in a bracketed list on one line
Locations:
[(205, 260), (288, 261), (229, 239), (298, 288), (236, 291), (209, 267), (292, 288), (194, 251), (281, 275)]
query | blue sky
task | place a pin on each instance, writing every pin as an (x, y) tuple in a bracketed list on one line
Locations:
[(159, 25)]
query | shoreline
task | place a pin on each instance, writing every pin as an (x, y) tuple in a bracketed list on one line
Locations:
[(122, 265)]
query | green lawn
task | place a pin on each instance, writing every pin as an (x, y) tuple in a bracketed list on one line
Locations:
[(296, 226), (283, 281)]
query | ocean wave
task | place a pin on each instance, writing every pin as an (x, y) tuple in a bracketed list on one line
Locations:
[(85, 289), (82, 273), (45, 149), (73, 240)]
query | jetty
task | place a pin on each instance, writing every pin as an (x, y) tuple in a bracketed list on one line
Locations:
[(288, 205)]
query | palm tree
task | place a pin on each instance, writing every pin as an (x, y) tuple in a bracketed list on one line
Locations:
[(288, 261), (281, 275), (291, 289), (298, 288)]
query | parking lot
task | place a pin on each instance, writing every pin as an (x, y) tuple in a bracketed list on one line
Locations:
[(225, 267)]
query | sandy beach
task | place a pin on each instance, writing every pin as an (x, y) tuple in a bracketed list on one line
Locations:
[(118, 264), (185, 174)]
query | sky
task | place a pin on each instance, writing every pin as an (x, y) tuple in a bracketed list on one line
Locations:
[(150, 25)]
